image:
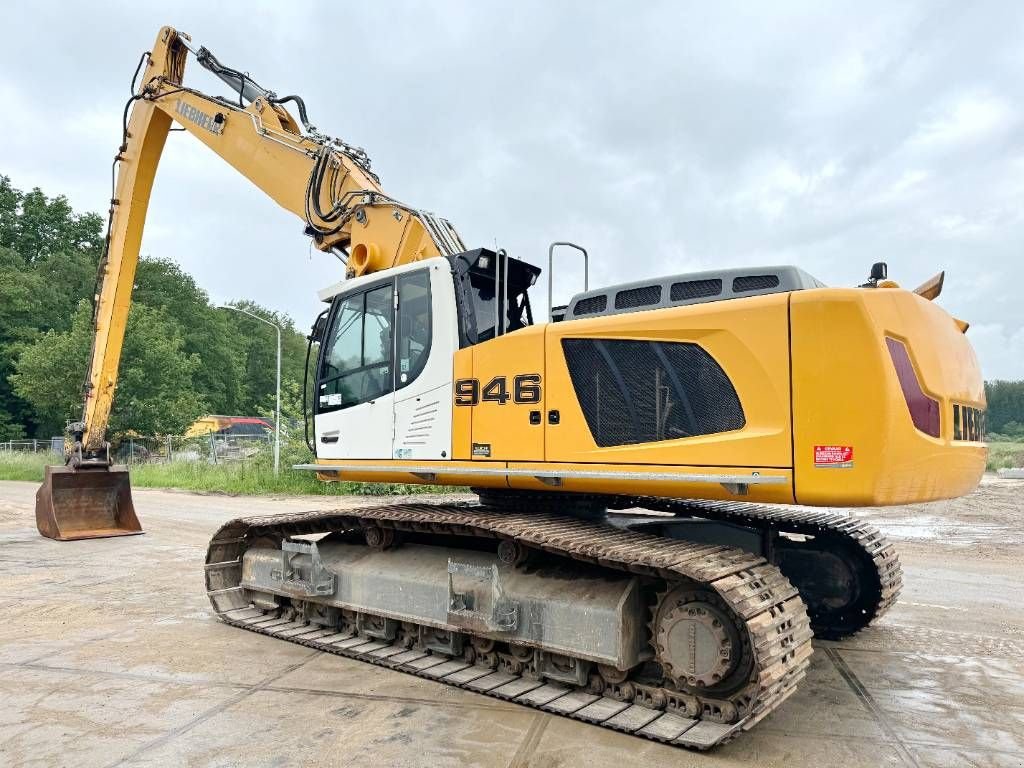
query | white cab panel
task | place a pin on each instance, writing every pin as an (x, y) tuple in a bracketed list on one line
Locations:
[(423, 407), (415, 421)]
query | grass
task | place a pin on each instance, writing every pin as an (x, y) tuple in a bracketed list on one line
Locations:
[(22, 466), (238, 478), (1005, 454)]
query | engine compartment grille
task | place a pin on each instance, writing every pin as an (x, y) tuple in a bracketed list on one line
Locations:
[(636, 391)]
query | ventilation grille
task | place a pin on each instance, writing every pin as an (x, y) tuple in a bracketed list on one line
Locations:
[(645, 391), (418, 430), (590, 305), (638, 297), (754, 283), (695, 289)]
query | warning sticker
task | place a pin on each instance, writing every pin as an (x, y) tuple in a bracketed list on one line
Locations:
[(837, 456)]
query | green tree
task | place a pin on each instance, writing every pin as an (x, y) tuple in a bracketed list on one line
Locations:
[(257, 344), (34, 225), (48, 259), (21, 306), (213, 361), (207, 332), (1005, 405), (155, 393)]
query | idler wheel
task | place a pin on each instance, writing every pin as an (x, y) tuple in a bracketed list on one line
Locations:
[(700, 644), (379, 538), (512, 552)]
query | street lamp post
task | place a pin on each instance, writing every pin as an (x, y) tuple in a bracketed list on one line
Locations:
[(277, 409)]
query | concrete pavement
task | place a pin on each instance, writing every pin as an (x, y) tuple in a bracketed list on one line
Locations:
[(109, 656)]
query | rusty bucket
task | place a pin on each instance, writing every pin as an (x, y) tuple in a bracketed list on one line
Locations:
[(82, 503)]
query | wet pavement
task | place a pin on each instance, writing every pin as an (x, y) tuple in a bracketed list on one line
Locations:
[(109, 656)]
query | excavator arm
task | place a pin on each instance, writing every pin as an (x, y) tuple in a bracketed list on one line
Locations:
[(324, 181)]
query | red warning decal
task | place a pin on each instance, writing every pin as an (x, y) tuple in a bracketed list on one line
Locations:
[(833, 456)]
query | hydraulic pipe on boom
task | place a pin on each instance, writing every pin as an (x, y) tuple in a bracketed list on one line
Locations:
[(325, 181)]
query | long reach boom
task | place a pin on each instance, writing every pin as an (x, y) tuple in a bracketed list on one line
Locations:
[(322, 180)]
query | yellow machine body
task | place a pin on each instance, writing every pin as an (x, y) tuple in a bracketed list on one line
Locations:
[(826, 414)]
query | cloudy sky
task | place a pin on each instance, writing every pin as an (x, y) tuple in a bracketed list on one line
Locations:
[(666, 138)]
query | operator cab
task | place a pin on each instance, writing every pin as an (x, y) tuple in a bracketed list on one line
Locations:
[(383, 380)]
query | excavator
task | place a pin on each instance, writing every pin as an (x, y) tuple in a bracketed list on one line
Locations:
[(652, 548)]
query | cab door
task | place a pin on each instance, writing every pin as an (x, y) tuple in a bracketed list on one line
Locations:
[(426, 340), (354, 404)]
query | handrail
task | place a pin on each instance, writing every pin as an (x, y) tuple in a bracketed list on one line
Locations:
[(551, 273)]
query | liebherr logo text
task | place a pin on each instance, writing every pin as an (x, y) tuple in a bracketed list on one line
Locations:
[(200, 118)]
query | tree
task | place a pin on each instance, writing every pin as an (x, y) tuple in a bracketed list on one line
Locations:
[(1005, 406), (21, 307), (206, 331), (155, 393), (49, 373), (47, 263), (182, 358), (257, 344), (33, 225)]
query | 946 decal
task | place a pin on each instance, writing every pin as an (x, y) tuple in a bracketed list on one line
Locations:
[(526, 388)]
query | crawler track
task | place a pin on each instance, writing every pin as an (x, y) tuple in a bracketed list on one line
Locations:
[(773, 615), (870, 557)]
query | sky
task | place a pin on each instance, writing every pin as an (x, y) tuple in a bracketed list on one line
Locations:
[(668, 138)]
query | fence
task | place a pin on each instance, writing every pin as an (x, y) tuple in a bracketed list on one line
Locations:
[(32, 446), (212, 448)]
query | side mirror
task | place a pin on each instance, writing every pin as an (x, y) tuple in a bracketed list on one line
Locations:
[(319, 328)]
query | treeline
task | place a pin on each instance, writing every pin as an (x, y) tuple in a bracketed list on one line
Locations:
[(182, 358), (1005, 409)]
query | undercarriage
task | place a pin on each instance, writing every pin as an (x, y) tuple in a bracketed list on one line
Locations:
[(687, 627)]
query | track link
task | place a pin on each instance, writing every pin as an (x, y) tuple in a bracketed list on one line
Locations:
[(881, 572), (772, 613)]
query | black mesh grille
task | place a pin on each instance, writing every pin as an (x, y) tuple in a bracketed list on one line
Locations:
[(638, 297), (590, 305), (695, 289), (754, 283), (644, 391)]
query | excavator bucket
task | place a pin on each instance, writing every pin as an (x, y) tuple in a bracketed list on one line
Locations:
[(88, 503)]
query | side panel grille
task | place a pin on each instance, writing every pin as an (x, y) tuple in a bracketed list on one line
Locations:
[(755, 283), (646, 391), (638, 297), (591, 305), (695, 289)]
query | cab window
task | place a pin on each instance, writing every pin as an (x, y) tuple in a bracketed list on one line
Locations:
[(356, 364), (413, 326)]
